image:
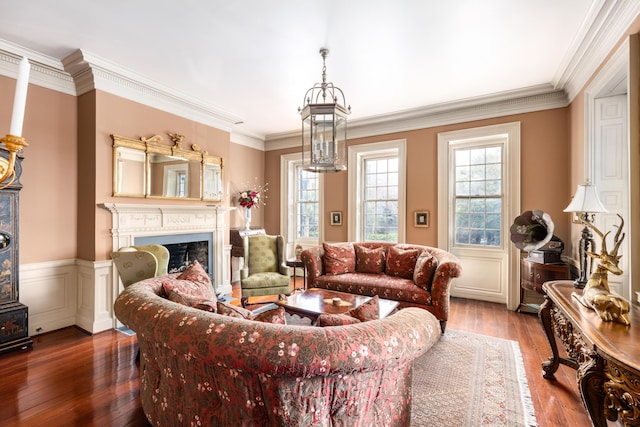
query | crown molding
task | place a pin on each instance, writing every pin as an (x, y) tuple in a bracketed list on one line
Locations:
[(92, 72), (46, 71), (537, 98), (606, 24)]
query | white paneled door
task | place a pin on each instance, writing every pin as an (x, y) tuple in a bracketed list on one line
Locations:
[(611, 178)]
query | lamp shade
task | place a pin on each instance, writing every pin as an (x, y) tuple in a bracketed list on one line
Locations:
[(586, 200)]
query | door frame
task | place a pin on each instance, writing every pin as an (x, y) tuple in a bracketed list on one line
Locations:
[(511, 187), (622, 69)]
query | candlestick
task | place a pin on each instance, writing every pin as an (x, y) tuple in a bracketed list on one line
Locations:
[(20, 98)]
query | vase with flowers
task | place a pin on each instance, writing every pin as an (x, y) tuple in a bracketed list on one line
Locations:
[(249, 199)]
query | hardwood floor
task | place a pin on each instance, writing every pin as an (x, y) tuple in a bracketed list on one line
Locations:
[(71, 378)]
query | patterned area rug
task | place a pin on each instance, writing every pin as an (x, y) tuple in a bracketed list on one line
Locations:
[(467, 379)]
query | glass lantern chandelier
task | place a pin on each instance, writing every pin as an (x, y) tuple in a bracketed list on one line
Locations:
[(324, 126)]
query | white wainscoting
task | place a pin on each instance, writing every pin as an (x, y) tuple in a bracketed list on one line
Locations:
[(80, 292), (49, 289)]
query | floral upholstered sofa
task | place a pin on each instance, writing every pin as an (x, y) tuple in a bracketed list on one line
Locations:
[(200, 367), (413, 275)]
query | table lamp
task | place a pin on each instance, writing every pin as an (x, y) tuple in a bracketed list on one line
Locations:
[(586, 204)]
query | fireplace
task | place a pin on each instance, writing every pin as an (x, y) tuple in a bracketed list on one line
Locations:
[(184, 249), (134, 224)]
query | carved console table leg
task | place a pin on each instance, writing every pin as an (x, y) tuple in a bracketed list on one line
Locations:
[(590, 380), (550, 366), (622, 394)]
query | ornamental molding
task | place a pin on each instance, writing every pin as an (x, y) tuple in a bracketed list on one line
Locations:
[(604, 28)]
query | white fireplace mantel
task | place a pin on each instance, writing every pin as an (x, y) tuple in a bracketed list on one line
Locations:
[(134, 220)]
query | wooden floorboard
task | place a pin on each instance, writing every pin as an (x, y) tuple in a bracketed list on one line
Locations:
[(71, 378)]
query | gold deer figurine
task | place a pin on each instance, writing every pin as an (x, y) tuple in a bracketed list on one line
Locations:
[(596, 294)]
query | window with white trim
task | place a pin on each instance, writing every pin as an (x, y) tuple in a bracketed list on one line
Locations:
[(300, 203), (380, 198), (307, 218), (377, 183)]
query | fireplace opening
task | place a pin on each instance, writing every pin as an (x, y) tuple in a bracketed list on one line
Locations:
[(184, 249)]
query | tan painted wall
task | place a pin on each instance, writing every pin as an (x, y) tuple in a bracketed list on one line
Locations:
[(246, 172), (116, 115), (545, 155), (48, 199)]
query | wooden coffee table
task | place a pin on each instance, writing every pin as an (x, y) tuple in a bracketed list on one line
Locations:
[(311, 303)]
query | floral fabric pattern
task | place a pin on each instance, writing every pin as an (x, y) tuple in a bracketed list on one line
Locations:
[(275, 315), (370, 260), (202, 368), (195, 272), (339, 258), (330, 319), (434, 297), (193, 301), (425, 269), (401, 262), (368, 311)]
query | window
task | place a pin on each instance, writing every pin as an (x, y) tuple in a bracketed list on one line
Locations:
[(478, 196), (381, 199), (306, 204), (301, 203), (377, 191)]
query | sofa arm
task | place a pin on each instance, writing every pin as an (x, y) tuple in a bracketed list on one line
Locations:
[(312, 260), (448, 268)]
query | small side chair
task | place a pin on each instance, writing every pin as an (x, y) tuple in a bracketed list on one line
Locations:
[(265, 271), (135, 263)]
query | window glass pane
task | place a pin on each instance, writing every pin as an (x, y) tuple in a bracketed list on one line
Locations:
[(306, 204), (380, 199), (478, 204)]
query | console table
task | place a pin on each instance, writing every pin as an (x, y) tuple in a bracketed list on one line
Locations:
[(606, 355)]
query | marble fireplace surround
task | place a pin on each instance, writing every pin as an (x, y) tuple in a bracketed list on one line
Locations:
[(135, 220)]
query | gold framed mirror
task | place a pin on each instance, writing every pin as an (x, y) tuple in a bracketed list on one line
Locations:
[(148, 168)]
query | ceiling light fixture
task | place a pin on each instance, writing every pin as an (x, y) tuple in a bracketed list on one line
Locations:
[(324, 126)]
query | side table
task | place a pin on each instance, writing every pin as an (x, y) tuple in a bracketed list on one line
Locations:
[(296, 263)]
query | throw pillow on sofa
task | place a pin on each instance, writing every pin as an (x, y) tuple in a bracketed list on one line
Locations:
[(339, 258), (426, 266), (401, 262), (234, 311), (275, 315), (196, 273), (192, 286), (370, 310), (328, 319), (193, 301), (370, 260)]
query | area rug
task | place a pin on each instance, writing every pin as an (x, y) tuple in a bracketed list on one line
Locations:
[(467, 379)]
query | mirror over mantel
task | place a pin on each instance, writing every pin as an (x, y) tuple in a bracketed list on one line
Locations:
[(149, 168)]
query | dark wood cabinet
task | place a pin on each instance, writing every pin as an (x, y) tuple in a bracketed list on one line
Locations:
[(14, 316), (534, 274), (236, 236)]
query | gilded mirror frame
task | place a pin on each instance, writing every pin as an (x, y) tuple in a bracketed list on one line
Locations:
[(148, 168)]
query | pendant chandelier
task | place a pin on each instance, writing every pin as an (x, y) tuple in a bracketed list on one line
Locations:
[(324, 126)]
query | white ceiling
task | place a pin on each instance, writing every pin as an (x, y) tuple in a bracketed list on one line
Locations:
[(255, 59)]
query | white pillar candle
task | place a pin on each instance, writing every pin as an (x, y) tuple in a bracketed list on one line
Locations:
[(20, 98)]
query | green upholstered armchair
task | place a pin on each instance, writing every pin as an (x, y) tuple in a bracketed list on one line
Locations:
[(265, 271), (135, 263)]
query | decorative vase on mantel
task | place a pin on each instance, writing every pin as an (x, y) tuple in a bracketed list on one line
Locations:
[(247, 218)]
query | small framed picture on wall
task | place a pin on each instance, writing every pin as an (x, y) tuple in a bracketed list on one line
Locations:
[(336, 218), (421, 219)]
